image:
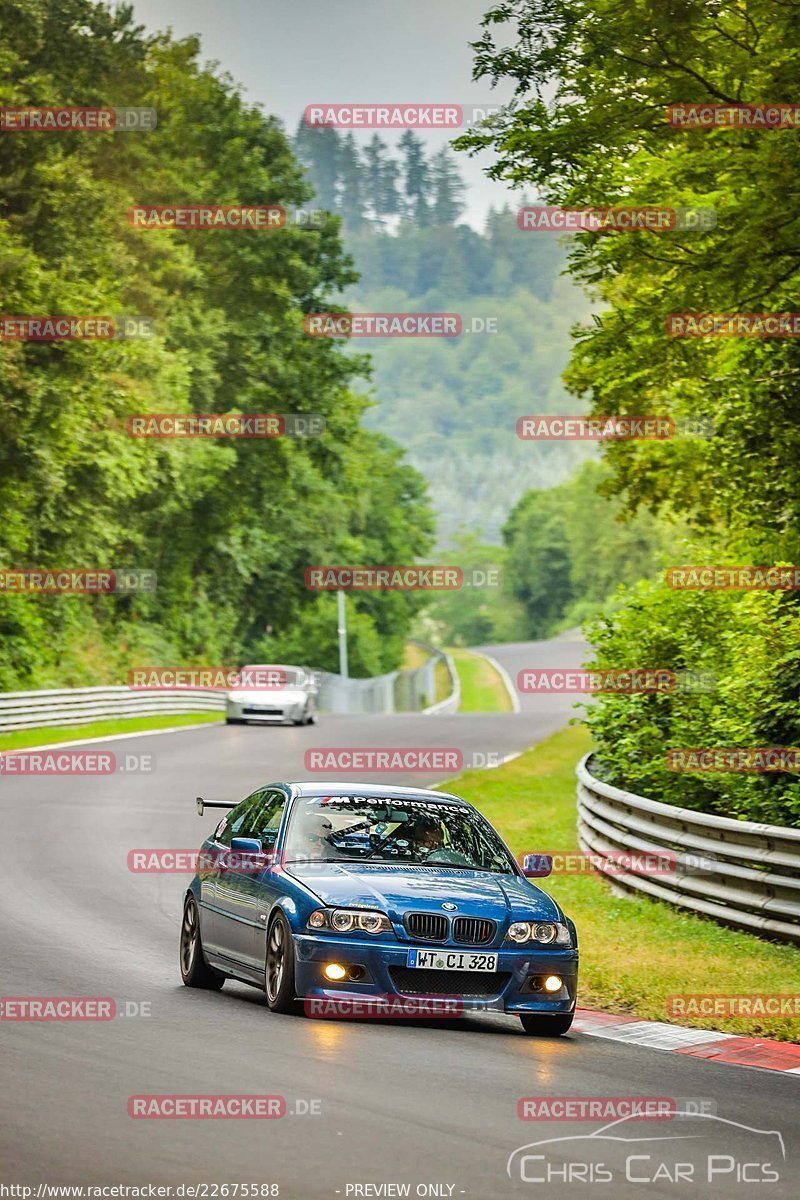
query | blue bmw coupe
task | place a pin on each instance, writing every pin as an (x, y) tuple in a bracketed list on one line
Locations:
[(320, 892)]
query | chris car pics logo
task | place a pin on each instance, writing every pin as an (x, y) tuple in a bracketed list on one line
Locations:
[(697, 1148)]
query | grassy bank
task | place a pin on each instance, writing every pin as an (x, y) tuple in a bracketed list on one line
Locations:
[(635, 952), (71, 733), (482, 688)]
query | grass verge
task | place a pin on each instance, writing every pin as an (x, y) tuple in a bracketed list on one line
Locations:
[(635, 952), (444, 684), (482, 688), (413, 656), (72, 733)]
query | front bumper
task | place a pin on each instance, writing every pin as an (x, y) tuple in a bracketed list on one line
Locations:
[(506, 990), (263, 714)]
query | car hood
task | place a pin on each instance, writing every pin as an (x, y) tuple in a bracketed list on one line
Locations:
[(398, 890)]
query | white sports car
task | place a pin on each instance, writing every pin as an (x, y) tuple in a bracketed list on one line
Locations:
[(273, 695)]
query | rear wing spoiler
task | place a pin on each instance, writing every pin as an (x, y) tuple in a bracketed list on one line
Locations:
[(203, 804)]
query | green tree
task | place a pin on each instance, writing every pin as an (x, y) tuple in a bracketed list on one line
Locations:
[(447, 187), (374, 175), (352, 201), (320, 148), (590, 128), (571, 547), (229, 527), (416, 179)]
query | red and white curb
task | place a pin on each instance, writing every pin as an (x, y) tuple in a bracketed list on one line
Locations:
[(699, 1043)]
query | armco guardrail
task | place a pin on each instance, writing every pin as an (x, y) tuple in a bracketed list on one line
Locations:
[(79, 706), (451, 703), (739, 872), (398, 691)]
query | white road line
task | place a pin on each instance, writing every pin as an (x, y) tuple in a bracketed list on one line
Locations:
[(657, 1035)]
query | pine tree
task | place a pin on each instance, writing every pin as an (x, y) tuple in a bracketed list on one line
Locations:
[(319, 150), (448, 189), (416, 179), (374, 153), (352, 201), (390, 199)]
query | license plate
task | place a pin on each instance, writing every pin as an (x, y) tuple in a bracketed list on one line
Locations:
[(451, 960)]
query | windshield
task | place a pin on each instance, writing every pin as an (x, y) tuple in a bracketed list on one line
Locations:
[(280, 676), (359, 828)]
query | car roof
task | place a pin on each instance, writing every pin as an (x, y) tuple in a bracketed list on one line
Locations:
[(379, 790)]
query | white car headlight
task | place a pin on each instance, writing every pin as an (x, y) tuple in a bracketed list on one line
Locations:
[(345, 920), (546, 933)]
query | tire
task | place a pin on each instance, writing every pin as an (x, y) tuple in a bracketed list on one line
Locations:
[(545, 1026), (195, 971), (279, 967), (311, 718)]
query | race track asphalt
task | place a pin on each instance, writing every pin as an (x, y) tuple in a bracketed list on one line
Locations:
[(418, 1103)]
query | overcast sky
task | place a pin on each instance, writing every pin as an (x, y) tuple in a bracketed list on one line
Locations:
[(290, 53)]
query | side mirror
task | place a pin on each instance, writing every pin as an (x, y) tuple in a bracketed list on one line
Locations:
[(246, 855), (246, 845), (536, 866)]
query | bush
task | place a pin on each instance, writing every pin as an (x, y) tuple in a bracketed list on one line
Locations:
[(750, 643)]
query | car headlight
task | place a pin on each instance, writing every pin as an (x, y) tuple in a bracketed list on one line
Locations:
[(546, 933), (345, 920)]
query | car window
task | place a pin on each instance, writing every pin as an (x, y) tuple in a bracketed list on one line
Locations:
[(236, 822), (264, 819), (403, 829)]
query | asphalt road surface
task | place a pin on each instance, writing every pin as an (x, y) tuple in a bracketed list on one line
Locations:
[(372, 1106)]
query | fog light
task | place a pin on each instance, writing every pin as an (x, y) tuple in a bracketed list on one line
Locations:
[(553, 983), (337, 971)]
